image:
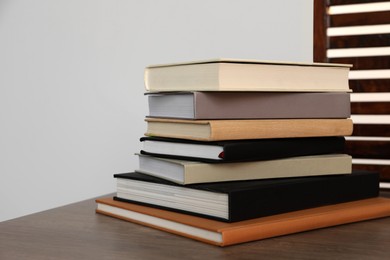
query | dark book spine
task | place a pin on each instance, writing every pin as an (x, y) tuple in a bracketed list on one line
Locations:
[(269, 149), (302, 195), (265, 149)]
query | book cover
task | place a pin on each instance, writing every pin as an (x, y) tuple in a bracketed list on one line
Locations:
[(226, 234), (247, 75), (240, 150), (216, 130), (249, 105), (189, 172), (241, 200)]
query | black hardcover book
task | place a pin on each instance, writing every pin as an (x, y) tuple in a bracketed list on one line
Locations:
[(240, 150), (242, 200)]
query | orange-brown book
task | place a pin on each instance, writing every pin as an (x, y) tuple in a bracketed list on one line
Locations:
[(225, 234), (216, 130)]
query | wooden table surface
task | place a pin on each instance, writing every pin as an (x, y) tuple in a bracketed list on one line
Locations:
[(76, 232)]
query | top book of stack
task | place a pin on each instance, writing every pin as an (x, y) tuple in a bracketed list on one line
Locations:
[(247, 75)]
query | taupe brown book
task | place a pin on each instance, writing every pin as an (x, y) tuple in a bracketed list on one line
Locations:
[(247, 75), (189, 172), (216, 130), (226, 234), (249, 105)]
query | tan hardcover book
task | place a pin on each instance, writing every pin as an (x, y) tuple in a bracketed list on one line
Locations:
[(189, 172), (216, 130), (225, 234), (247, 75), (249, 105)]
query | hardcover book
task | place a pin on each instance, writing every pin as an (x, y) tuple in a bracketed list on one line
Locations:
[(249, 105), (226, 234), (189, 172), (240, 150), (247, 75), (242, 200), (216, 130)]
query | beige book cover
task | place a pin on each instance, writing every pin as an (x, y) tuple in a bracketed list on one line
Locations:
[(188, 172)]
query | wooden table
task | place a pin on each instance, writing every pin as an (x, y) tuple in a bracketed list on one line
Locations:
[(76, 232)]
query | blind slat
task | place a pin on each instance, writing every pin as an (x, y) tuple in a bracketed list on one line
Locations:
[(348, 7), (358, 52), (358, 30), (371, 119), (367, 138), (370, 97), (369, 74)]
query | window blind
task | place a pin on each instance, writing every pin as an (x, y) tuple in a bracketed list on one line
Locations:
[(358, 33)]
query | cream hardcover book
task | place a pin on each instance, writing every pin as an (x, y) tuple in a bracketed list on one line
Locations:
[(247, 75)]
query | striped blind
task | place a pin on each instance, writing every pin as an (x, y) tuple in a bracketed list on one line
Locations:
[(358, 33)]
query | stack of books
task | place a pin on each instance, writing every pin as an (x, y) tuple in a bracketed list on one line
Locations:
[(241, 150)]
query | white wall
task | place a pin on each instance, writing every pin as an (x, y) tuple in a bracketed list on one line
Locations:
[(71, 81)]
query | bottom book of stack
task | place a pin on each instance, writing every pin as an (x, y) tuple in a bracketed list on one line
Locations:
[(225, 234)]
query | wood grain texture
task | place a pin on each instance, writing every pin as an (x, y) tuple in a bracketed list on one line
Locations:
[(371, 130), (374, 108), (365, 63), (359, 41), (378, 85), (320, 41), (356, 19), (77, 232)]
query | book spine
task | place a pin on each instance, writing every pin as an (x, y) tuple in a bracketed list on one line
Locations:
[(268, 149), (305, 222), (256, 170), (253, 129), (264, 105), (302, 195)]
